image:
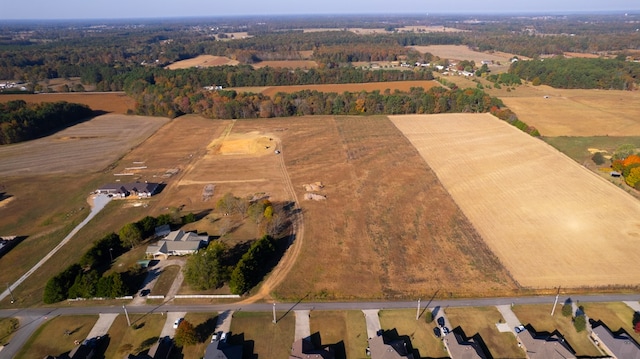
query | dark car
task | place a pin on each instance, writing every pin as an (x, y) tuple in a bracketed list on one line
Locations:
[(436, 332), (445, 330), (441, 321)]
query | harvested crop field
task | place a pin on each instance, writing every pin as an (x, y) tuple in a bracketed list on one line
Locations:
[(291, 64), (388, 228), (89, 146), (549, 220), (560, 112), (116, 102), (460, 52), (202, 61), (340, 88)]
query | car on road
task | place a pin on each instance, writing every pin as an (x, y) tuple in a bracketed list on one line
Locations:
[(441, 321), (176, 324), (436, 332)]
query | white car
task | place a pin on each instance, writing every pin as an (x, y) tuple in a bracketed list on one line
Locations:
[(176, 324)]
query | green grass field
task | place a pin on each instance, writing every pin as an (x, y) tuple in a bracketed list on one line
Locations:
[(577, 147), (482, 321), (57, 336), (541, 320), (419, 331), (615, 315), (165, 280), (256, 332)]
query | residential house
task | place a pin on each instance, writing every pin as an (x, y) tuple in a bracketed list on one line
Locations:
[(382, 348), (304, 348), (177, 243), (619, 345), (221, 349), (122, 190), (461, 347), (544, 347)]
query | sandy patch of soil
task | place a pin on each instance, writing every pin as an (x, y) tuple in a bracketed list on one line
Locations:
[(202, 61)]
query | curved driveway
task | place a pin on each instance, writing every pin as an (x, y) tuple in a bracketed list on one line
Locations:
[(99, 202)]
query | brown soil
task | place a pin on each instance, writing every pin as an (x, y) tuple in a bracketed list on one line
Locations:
[(202, 61), (116, 102)]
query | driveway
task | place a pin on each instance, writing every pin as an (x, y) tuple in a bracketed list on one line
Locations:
[(509, 317), (167, 329), (302, 324), (152, 277), (373, 322)]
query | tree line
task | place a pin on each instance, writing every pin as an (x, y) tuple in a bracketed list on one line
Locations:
[(560, 72), (22, 121)]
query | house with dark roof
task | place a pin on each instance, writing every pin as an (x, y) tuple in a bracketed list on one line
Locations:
[(305, 348), (618, 345), (177, 243), (550, 346), (122, 190), (381, 347), (462, 347), (220, 349)]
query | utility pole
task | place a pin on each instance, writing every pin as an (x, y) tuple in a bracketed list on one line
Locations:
[(12, 298), (274, 313), (127, 315), (418, 311), (555, 303)]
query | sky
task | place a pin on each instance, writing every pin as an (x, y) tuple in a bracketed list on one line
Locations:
[(122, 9)]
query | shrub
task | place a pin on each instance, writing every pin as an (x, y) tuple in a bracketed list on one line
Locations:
[(567, 309), (428, 316), (580, 323), (598, 158)]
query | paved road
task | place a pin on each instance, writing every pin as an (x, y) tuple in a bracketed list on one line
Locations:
[(99, 202), (28, 325), (267, 307)]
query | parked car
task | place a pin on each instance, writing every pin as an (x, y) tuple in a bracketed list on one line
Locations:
[(436, 332), (176, 324), (445, 330), (441, 321), (519, 328)]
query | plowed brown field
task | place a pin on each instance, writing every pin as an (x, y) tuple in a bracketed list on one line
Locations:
[(340, 88), (116, 102), (549, 220)]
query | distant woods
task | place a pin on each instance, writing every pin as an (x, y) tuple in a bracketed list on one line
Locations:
[(21, 121)]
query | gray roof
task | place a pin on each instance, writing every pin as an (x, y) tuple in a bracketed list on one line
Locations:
[(549, 347), (464, 348), (382, 349), (304, 348), (178, 241), (620, 345), (135, 187), (222, 350)]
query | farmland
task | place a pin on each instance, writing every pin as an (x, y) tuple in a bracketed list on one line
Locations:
[(202, 61), (352, 87), (524, 197)]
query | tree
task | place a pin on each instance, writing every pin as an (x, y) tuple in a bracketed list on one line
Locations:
[(428, 316), (205, 269), (130, 235), (567, 309), (636, 327), (580, 323), (598, 158), (185, 334)]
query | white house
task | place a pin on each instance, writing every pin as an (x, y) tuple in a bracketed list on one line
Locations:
[(177, 243)]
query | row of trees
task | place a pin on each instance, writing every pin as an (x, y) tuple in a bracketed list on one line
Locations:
[(560, 72), (213, 267), (629, 167), (20, 121)]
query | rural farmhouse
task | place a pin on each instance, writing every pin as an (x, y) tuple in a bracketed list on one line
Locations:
[(177, 243)]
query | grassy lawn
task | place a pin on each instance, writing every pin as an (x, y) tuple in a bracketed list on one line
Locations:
[(205, 324), (50, 338), (615, 315), (124, 340), (419, 331), (8, 326), (577, 147), (165, 280), (260, 336), (538, 316), (482, 321), (346, 328)]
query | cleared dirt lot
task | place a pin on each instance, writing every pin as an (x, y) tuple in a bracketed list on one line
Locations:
[(576, 112), (460, 52), (116, 102), (388, 228), (549, 220), (88, 146)]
